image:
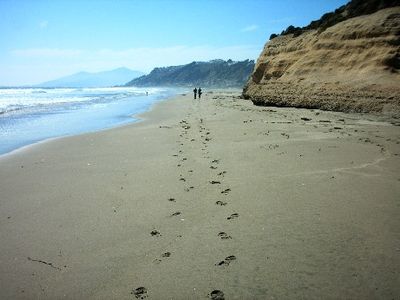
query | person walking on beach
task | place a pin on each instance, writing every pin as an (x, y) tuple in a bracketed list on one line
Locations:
[(195, 92), (199, 92)]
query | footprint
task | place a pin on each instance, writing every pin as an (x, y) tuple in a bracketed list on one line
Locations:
[(230, 258), (226, 261), (213, 167), (215, 161), (224, 236), (233, 216), (220, 203), (226, 191), (155, 233), (175, 214), (215, 182), (157, 261), (171, 199), (285, 135), (140, 293), (217, 295), (166, 254), (222, 173), (182, 179)]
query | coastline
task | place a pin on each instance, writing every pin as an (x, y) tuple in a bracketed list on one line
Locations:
[(102, 108), (256, 202), (135, 119)]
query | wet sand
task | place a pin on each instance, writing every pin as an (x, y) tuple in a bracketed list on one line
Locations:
[(207, 199)]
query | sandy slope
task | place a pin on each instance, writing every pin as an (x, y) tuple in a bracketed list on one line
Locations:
[(352, 66), (202, 196)]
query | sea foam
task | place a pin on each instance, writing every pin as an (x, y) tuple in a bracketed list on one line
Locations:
[(29, 115)]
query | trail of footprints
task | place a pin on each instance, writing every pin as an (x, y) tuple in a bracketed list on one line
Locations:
[(214, 164), (188, 136)]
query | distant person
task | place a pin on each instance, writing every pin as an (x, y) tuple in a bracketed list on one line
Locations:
[(147, 93), (195, 93), (199, 92)]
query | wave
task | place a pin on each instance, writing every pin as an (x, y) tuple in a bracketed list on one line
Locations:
[(29, 117), (28, 100)]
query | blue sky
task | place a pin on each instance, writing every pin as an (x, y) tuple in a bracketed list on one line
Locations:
[(43, 40)]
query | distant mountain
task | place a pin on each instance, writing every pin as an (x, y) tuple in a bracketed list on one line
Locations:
[(215, 73), (101, 79)]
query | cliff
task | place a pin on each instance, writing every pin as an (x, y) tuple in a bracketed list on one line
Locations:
[(215, 73), (352, 65)]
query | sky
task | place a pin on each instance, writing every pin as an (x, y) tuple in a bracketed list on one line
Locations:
[(44, 40)]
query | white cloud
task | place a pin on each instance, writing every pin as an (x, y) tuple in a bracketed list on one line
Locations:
[(46, 53), (249, 28), (148, 58), (43, 24), (143, 58)]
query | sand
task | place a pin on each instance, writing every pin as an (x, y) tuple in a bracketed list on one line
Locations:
[(352, 66), (207, 199)]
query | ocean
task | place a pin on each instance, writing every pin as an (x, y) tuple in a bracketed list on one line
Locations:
[(30, 115)]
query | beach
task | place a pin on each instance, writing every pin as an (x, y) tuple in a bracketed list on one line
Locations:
[(212, 198)]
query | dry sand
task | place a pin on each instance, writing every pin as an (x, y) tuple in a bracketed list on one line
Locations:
[(218, 194), (352, 66)]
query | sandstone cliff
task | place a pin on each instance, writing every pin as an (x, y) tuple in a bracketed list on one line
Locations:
[(351, 66)]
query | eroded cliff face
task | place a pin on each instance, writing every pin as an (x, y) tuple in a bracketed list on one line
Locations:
[(351, 66)]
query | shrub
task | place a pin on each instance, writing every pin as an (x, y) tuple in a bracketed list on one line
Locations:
[(272, 36)]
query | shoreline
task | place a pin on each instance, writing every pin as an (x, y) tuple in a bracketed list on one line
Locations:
[(103, 108), (136, 119), (206, 197)]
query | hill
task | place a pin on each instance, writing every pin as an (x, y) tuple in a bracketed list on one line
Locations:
[(215, 73), (101, 79), (345, 64)]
